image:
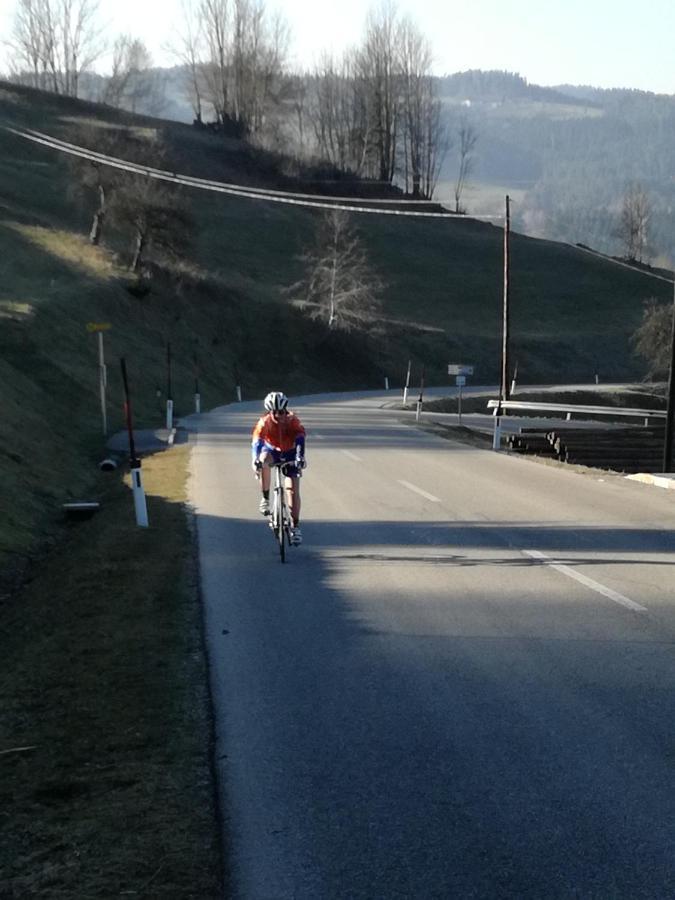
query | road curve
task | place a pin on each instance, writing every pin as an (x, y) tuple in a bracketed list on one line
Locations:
[(460, 686)]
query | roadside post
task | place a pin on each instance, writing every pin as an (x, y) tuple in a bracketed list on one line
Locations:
[(407, 384), (140, 505), (460, 372), (169, 392), (420, 399), (513, 380), (99, 328), (237, 383), (198, 399), (386, 383)]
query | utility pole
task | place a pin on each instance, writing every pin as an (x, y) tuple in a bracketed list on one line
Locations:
[(504, 381), (504, 390), (670, 414)]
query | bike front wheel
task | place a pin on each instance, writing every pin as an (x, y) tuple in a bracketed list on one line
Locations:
[(279, 529)]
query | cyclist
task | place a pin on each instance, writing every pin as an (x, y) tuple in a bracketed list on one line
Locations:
[(280, 437)]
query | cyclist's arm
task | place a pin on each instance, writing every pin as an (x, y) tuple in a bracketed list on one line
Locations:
[(257, 441)]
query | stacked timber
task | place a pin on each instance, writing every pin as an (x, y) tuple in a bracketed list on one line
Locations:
[(628, 449)]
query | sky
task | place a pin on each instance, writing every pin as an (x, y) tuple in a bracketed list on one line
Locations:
[(604, 43)]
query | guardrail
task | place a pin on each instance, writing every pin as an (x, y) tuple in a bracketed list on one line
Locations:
[(569, 409)]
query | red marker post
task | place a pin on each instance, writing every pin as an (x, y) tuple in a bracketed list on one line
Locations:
[(140, 505)]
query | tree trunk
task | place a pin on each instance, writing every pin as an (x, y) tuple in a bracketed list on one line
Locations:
[(99, 216), (333, 313), (138, 251)]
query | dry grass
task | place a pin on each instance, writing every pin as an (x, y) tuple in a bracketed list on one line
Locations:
[(70, 248), (104, 682)]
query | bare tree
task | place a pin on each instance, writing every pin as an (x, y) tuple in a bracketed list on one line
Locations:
[(653, 338), (156, 214), (27, 44), (378, 63), (468, 139), (633, 229), (215, 17), (56, 40), (424, 139), (246, 52), (339, 287), (128, 83), (189, 51)]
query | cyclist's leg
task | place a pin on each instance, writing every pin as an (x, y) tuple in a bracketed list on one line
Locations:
[(267, 459), (293, 496)]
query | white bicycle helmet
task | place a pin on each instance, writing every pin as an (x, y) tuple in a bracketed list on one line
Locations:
[(275, 401)]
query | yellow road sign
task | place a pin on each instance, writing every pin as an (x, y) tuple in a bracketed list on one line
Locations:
[(98, 326)]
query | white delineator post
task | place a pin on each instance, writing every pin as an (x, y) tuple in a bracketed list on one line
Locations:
[(169, 415), (238, 394), (497, 434), (407, 384), (386, 383), (198, 403), (140, 505)]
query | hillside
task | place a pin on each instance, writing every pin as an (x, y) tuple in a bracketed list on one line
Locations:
[(566, 153), (222, 304)]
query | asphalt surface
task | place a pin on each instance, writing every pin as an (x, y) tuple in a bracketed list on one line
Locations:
[(461, 685)]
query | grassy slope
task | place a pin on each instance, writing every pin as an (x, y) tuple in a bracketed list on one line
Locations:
[(571, 314), (93, 780), (104, 716)]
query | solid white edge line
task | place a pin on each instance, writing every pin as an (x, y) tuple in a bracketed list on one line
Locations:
[(351, 455), (588, 582), (412, 487)]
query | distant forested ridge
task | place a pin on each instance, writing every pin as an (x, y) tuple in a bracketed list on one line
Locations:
[(569, 153)]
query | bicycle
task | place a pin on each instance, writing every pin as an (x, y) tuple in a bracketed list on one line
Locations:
[(281, 522)]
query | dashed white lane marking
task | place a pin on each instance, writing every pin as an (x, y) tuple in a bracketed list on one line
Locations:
[(318, 437), (411, 487), (351, 455), (588, 582)]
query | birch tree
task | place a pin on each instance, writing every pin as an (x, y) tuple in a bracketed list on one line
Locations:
[(340, 286)]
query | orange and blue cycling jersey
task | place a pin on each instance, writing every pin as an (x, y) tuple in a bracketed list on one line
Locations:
[(284, 438)]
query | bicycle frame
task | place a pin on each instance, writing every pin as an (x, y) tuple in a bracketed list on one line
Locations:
[(280, 520)]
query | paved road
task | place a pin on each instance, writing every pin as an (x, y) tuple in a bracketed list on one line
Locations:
[(462, 685)]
